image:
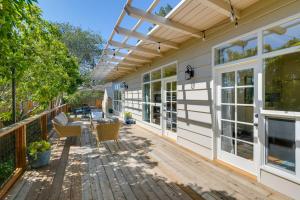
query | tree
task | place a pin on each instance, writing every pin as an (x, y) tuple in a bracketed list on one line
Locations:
[(85, 45), (32, 48)]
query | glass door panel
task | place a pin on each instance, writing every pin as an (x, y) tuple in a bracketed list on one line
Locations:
[(170, 107), (237, 113)]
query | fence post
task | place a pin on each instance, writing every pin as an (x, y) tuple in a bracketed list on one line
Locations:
[(21, 147), (44, 127)]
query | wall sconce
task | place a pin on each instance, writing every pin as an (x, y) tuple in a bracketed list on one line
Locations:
[(189, 72), (124, 85)]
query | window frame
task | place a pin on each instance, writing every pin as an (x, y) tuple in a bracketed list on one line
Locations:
[(162, 79), (119, 101), (264, 114)]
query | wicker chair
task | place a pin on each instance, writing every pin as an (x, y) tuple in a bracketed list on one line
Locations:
[(108, 131), (65, 127)]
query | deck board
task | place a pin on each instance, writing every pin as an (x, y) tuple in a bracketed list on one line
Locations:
[(143, 166)]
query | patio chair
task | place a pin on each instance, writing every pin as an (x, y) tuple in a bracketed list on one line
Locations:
[(96, 115), (108, 131), (65, 127)]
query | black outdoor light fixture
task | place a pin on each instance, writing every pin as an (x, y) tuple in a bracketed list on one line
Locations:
[(124, 85), (189, 72)]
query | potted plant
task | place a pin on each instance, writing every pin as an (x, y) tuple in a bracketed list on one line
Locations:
[(39, 153), (128, 118)]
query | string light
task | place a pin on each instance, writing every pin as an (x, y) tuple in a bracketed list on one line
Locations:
[(114, 54), (158, 48), (203, 36)]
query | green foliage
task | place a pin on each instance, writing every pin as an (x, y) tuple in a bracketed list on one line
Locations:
[(83, 97), (128, 115), (38, 147), (32, 46), (85, 45), (6, 170)]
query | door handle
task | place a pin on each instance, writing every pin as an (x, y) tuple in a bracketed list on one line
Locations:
[(255, 124)]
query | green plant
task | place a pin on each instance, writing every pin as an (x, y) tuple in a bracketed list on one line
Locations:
[(38, 147), (6, 169), (127, 115), (110, 110)]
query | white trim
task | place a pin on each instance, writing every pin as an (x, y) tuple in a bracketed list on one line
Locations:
[(262, 114)]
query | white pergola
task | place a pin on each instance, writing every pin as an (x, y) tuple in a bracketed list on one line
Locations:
[(189, 19)]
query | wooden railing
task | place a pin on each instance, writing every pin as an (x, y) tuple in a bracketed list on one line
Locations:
[(14, 140)]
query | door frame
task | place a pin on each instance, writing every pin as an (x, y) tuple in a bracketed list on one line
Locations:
[(251, 167), (165, 132)]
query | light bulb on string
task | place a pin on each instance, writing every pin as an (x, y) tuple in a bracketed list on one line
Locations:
[(203, 36), (158, 48)]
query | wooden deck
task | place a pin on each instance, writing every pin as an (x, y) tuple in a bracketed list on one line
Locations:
[(144, 166)]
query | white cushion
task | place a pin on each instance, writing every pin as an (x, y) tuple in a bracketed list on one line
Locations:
[(64, 116), (61, 120), (96, 115)]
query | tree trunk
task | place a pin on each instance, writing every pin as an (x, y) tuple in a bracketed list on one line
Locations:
[(13, 93)]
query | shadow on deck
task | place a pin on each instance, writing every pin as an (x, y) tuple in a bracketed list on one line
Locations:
[(143, 166)]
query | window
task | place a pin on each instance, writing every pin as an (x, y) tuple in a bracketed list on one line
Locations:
[(239, 49), (282, 82), (170, 71), (281, 146), (283, 36), (152, 93), (117, 101)]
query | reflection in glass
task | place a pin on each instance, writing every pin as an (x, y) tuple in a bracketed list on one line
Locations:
[(239, 49), (282, 82), (174, 127), (146, 112), (174, 86), (245, 77), (174, 96), (228, 145), (282, 36), (245, 114), (156, 115), (169, 86), (146, 77), (228, 112), (146, 92), (281, 145), (169, 71), (245, 132), (244, 150), (168, 106), (228, 79), (174, 118), (228, 129), (245, 95), (156, 92), (174, 106), (168, 96), (228, 95), (155, 75)]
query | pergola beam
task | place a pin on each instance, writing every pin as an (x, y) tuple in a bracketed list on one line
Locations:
[(125, 62), (134, 48), (130, 57), (148, 38), (221, 7), (162, 21)]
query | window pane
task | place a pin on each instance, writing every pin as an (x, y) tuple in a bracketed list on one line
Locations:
[(245, 132), (228, 129), (236, 50), (169, 71), (282, 36), (245, 77), (228, 145), (174, 86), (156, 75), (244, 150), (228, 95), (281, 143), (228, 79), (245, 114), (282, 82), (146, 92), (245, 95), (146, 112), (156, 92), (156, 115), (228, 112), (146, 77), (169, 86)]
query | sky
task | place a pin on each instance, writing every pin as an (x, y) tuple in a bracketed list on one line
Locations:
[(99, 16)]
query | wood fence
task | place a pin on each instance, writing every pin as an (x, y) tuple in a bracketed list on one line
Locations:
[(14, 140)]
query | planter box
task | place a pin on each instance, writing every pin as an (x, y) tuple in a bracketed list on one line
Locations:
[(42, 159)]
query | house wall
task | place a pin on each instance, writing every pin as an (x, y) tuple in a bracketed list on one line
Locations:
[(195, 96)]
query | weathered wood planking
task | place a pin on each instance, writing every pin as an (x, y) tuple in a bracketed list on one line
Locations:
[(143, 166)]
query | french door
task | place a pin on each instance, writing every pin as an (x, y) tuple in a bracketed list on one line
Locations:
[(237, 115), (170, 108)]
